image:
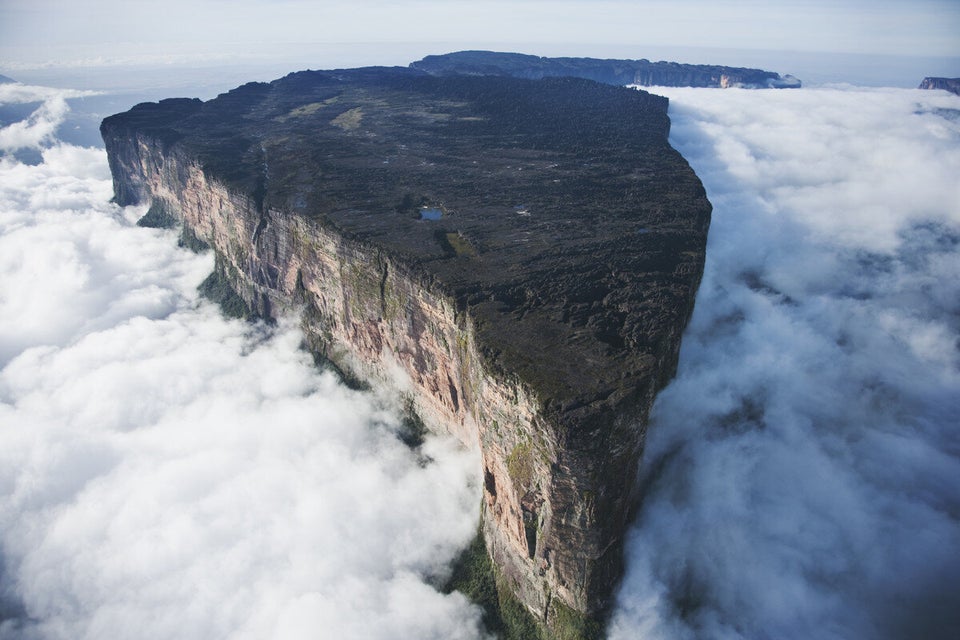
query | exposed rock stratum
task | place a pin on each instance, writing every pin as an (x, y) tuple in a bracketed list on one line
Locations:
[(518, 256)]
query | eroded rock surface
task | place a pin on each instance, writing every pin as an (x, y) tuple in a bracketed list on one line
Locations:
[(519, 256)]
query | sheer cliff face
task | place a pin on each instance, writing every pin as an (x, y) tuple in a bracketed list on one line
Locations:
[(537, 317)]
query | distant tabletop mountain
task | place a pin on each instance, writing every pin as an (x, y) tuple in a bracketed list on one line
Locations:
[(947, 84), (618, 72), (6, 80)]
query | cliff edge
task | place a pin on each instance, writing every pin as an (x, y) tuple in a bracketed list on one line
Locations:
[(519, 257)]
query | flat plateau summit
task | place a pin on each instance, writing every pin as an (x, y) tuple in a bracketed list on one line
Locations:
[(517, 257)]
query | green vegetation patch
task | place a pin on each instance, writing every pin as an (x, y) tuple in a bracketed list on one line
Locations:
[(305, 110), (520, 466), (217, 289), (475, 577), (158, 216), (569, 624), (458, 245), (190, 240), (348, 120), (413, 431)]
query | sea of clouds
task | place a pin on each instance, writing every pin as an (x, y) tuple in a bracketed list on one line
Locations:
[(803, 469), (168, 473)]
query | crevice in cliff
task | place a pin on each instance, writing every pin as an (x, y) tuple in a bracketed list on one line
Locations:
[(530, 526), (261, 226), (454, 396), (490, 483), (384, 274)]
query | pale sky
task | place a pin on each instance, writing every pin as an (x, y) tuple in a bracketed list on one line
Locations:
[(91, 32)]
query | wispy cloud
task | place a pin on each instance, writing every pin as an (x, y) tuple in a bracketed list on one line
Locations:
[(40, 128)]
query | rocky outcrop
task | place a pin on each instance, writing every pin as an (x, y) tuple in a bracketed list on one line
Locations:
[(518, 257), (947, 84), (618, 72)]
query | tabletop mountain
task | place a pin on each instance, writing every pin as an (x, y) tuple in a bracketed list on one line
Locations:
[(517, 257)]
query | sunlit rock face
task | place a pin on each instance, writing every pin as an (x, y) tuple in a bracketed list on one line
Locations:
[(517, 257)]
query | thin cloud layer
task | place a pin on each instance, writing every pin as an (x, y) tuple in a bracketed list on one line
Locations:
[(802, 470), (40, 128), (167, 473)]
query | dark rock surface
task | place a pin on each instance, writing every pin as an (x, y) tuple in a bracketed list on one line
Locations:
[(947, 84), (527, 252), (618, 72)]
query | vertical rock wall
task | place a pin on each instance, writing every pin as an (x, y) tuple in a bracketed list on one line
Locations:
[(556, 488)]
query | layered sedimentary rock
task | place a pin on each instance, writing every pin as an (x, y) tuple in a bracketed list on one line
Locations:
[(619, 72), (947, 84), (519, 257)]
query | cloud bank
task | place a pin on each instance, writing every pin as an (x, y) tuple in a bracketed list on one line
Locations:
[(165, 473), (803, 469), (40, 128)]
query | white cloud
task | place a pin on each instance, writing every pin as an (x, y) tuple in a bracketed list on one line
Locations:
[(68, 264), (40, 128), (167, 473), (19, 93), (803, 465), (37, 130)]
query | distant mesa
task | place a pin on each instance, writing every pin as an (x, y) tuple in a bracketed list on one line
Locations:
[(619, 72), (947, 84)]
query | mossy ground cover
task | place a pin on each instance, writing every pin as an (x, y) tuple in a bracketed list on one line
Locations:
[(158, 217), (217, 289), (475, 577)]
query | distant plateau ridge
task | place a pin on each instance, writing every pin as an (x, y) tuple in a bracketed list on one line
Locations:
[(620, 72), (947, 84)]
